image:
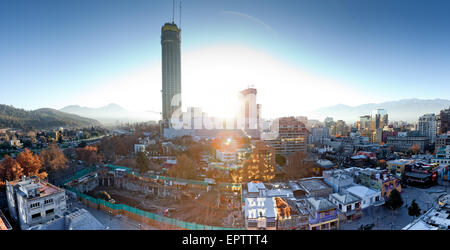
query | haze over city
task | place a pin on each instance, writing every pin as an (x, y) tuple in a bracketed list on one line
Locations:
[(91, 54)]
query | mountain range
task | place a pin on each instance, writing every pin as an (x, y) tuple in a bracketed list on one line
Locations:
[(44, 118), (408, 110), (110, 114)]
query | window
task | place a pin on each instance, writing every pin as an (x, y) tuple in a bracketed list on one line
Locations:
[(252, 224), (34, 205), (35, 216), (357, 205), (271, 224), (377, 198), (49, 201), (49, 211), (349, 207), (340, 207)]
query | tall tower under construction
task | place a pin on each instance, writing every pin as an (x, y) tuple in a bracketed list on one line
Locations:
[(171, 71)]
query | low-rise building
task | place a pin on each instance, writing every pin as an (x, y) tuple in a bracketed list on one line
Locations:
[(369, 197), (348, 205), (337, 179), (323, 214), (315, 188), (80, 219), (378, 179), (442, 156), (256, 189), (433, 219), (289, 216), (397, 167), (260, 213), (32, 201)]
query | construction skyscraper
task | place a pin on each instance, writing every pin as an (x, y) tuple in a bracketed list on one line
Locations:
[(171, 71)]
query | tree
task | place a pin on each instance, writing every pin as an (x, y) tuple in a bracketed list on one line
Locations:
[(82, 144), (414, 149), (185, 168), (394, 200), (255, 168), (142, 162), (60, 138), (195, 150), (53, 159), (31, 164), (10, 170), (88, 155), (280, 160), (413, 209)]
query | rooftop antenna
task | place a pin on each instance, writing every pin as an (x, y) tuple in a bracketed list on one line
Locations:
[(173, 11)]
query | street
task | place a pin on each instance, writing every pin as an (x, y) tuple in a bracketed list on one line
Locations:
[(385, 219), (111, 222)]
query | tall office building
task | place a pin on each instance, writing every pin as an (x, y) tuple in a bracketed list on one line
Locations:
[(427, 126), (292, 136), (171, 71), (249, 112), (445, 121), (379, 119)]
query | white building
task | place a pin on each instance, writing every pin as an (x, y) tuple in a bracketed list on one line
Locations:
[(139, 148), (433, 219), (442, 156), (349, 205), (32, 201), (368, 196), (256, 189), (80, 219), (338, 179), (427, 126), (260, 213)]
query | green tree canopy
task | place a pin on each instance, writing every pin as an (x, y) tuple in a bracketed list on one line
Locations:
[(413, 209), (142, 162), (394, 200)]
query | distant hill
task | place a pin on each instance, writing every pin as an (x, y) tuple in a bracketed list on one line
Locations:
[(110, 114), (403, 110), (45, 118)]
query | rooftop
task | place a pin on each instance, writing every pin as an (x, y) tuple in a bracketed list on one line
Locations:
[(434, 219), (260, 207), (254, 187), (362, 191), (321, 204), (313, 185), (345, 199), (32, 187)]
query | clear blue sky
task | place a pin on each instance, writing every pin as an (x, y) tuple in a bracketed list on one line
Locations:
[(53, 52)]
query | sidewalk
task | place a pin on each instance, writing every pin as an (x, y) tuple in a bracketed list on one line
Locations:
[(112, 222)]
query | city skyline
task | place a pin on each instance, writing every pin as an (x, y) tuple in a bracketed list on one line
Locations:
[(245, 44)]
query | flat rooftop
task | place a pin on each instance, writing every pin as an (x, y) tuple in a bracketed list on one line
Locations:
[(313, 185), (32, 183)]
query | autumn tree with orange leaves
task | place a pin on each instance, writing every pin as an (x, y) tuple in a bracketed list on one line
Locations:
[(31, 164), (52, 159), (414, 149), (88, 155), (10, 170), (254, 169)]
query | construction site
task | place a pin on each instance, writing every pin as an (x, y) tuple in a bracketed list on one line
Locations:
[(192, 201)]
